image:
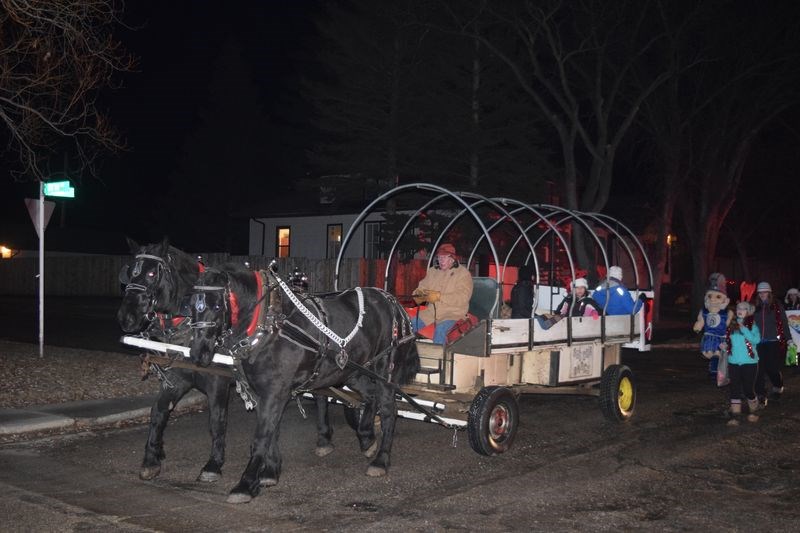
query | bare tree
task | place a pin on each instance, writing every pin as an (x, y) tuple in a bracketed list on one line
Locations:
[(731, 78), (54, 58), (576, 62)]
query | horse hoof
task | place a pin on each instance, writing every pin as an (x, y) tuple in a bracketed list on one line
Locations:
[(239, 497), (322, 451), (208, 477), (372, 450), (376, 471), (149, 472), (267, 481)]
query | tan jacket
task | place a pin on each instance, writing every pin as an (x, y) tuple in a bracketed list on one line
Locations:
[(455, 286)]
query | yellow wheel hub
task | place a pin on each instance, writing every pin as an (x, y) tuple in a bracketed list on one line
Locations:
[(625, 394)]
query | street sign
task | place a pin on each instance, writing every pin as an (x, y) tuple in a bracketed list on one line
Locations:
[(59, 188), (33, 211)]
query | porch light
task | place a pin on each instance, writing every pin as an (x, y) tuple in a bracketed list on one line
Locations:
[(6, 252)]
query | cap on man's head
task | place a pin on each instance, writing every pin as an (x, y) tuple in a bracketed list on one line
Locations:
[(446, 249), (580, 282), (763, 286), (615, 272)]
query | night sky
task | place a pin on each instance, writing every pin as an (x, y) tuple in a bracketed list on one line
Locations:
[(157, 107)]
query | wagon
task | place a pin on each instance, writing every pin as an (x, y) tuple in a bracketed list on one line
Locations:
[(473, 380)]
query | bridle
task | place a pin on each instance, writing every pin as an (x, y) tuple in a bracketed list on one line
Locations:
[(200, 305), (149, 291)]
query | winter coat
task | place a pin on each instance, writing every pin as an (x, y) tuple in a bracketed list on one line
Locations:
[(585, 306), (455, 288), (769, 327), (739, 352), (619, 298), (522, 299)]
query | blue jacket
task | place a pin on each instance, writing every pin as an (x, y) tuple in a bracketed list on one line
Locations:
[(739, 355), (619, 298)]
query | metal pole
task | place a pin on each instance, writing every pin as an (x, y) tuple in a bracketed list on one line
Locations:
[(40, 216)]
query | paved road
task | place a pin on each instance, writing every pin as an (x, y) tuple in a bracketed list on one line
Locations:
[(74, 322), (675, 467)]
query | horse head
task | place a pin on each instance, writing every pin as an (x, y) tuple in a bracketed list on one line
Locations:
[(155, 283), (209, 305), (229, 306)]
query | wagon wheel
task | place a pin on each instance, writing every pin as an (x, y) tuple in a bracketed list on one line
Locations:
[(617, 393), (493, 420)]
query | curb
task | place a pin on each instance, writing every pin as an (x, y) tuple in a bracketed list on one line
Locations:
[(83, 414)]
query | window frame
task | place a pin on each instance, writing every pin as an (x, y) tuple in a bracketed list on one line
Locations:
[(328, 240), (279, 246)]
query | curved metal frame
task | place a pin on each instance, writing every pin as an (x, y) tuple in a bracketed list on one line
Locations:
[(469, 202)]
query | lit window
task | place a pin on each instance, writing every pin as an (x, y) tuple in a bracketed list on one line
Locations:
[(334, 240), (283, 241)]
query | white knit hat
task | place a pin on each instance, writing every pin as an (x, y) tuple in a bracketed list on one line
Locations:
[(615, 272), (580, 282), (763, 286)]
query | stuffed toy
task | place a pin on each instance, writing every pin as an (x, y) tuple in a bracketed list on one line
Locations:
[(713, 320)]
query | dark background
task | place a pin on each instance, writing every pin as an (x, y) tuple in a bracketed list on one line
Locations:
[(159, 107)]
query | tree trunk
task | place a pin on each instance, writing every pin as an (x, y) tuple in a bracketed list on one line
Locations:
[(474, 165)]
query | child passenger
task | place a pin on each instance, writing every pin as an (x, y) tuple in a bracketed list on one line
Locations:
[(741, 340)]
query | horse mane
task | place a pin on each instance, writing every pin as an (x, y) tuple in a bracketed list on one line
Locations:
[(241, 281)]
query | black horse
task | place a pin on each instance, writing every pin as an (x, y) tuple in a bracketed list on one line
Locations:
[(156, 284), (298, 348)]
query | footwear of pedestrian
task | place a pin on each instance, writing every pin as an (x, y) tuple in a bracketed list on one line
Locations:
[(735, 412), (752, 418), (776, 393), (754, 405)]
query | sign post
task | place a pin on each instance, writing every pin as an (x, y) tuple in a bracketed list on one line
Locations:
[(40, 212)]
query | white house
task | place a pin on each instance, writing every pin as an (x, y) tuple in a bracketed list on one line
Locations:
[(312, 220), (314, 236)]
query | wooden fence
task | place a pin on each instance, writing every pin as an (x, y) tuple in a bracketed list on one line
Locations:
[(99, 275)]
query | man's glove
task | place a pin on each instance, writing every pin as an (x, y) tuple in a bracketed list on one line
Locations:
[(433, 296), (419, 296)]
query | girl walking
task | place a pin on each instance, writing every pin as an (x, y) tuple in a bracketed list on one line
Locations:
[(741, 340)]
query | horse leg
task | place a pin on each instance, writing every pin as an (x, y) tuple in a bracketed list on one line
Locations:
[(388, 415), (324, 427), (367, 439), (264, 466), (365, 432), (159, 416), (217, 388)]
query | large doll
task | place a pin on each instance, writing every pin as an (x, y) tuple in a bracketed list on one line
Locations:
[(713, 320)]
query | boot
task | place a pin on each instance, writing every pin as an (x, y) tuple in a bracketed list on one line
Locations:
[(753, 406), (736, 412), (775, 393)]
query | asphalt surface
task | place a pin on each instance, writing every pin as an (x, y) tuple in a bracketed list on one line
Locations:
[(90, 323)]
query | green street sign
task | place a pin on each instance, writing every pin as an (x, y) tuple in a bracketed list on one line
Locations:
[(59, 188)]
